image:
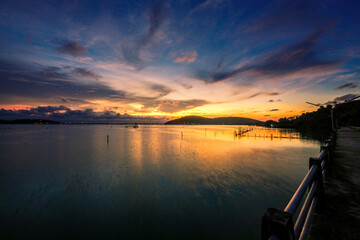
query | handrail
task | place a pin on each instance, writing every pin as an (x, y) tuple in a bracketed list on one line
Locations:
[(296, 199), (301, 218), (306, 227), (321, 154), (323, 165), (278, 224)]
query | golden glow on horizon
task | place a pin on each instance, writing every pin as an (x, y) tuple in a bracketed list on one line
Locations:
[(168, 93), (210, 110)]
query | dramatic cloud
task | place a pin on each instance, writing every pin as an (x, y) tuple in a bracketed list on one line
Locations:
[(274, 110), (264, 94), (287, 16), (64, 114), (250, 53), (52, 83), (271, 100), (71, 47), (73, 100), (186, 57), (267, 115), (347, 85), (346, 97), (131, 56), (187, 86), (161, 89), (297, 57), (205, 6), (156, 14), (171, 106), (286, 60), (33, 113), (83, 72), (342, 99), (57, 86)]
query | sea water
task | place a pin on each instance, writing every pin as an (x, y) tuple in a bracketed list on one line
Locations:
[(150, 182)]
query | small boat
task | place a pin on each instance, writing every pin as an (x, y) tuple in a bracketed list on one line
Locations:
[(136, 125)]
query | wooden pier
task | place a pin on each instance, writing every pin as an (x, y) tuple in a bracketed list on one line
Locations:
[(341, 217), (331, 209), (242, 131)]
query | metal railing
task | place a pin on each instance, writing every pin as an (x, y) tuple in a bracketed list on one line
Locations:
[(278, 224)]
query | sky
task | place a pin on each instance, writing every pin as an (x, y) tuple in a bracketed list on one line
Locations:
[(152, 61)]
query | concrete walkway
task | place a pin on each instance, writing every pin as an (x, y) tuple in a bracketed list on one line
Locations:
[(341, 218)]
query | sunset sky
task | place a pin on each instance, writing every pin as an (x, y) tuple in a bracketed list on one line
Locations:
[(150, 61)]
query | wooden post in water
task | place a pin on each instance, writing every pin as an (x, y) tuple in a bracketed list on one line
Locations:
[(107, 139)]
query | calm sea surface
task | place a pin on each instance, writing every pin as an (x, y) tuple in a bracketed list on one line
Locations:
[(151, 182)]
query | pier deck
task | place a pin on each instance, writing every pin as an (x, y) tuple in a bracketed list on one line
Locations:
[(341, 218)]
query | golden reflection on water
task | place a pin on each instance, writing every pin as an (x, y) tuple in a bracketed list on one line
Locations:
[(159, 175), (154, 147), (215, 154), (136, 149)]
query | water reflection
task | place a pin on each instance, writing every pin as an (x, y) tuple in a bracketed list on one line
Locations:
[(163, 182)]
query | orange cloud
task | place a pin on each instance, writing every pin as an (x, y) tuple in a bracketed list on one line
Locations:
[(186, 57)]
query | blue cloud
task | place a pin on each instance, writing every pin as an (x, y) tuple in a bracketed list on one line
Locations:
[(288, 59), (65, 114), (71, 47)]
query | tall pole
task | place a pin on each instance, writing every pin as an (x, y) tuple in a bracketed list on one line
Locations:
[(332, 119), (332, 109)]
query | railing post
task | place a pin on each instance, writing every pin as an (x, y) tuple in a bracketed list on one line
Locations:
[(277, 223), (320, 193), (326, 158), (333, 139), (330, 156)]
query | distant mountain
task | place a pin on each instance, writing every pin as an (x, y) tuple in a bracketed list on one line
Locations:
[(215, 121), (29, 121)]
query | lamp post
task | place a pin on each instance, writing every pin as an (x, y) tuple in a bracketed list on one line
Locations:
[(331, 112), (333, 107)]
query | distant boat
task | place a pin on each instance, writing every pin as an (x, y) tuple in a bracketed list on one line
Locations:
[(136, 125)]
